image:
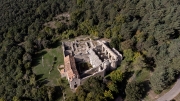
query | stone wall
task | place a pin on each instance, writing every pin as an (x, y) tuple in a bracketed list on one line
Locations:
[(74, 83), (118, 54), (63, 49), (100, 56), (94, 59), (100, 73)]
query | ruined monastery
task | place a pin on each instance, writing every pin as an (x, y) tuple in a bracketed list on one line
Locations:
[(84, 58)]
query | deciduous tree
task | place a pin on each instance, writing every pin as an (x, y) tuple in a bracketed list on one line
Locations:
[(134, 91)]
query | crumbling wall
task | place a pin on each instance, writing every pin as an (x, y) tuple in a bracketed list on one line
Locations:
[(89, 72), (118, 54), (99, 73), (101, 57), (94, 59), (74, 83), (68, 52), (63, 49)]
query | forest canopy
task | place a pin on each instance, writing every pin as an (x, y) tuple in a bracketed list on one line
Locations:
[(146, 32)]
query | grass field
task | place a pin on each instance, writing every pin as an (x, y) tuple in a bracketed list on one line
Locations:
[(46, 63)]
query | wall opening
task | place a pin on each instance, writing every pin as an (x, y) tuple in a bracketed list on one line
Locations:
[(75, 85)]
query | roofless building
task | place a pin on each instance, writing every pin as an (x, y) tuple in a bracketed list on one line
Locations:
[(84, 58)]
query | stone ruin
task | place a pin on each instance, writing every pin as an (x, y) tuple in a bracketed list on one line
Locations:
[(84, 58)]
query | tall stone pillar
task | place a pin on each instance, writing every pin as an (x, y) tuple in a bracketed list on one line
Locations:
[(108, 55), (111, 57), (72, 46), (102, 49)]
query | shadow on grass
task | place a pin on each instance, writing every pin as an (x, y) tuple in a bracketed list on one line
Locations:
[(38, 58), (42, 82), (55, 58), (38, 77), (54, 62)]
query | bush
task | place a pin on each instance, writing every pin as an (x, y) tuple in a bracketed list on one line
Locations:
[(134, 91), (162, 78)]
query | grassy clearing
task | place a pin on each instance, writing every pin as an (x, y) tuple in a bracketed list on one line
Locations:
[(46, 63)]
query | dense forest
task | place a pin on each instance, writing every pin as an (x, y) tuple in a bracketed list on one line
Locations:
[(146, 32)]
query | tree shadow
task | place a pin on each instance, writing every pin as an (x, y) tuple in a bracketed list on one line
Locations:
[(146, 86), (38, 58), (128, 75), (26, 99), (55, 58), (123, 84), (38, 77), (58, 93), (175, 35), (54, 62), (40, 54), (42, 82), (150, 63), (55, 44)]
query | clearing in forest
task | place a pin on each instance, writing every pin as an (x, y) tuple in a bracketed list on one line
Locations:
[(59, 21), (46, 63)]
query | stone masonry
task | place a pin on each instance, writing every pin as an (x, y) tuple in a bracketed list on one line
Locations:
[(84, 58)]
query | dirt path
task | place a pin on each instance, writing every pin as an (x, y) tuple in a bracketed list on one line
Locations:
[(171, 93)]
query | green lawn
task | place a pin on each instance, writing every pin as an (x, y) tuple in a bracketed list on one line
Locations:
[(48, 60), (52, 58)]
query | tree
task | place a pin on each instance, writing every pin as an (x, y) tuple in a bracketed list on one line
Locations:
[(107, 33), (81, 94), (117, 76), (162, 78), (112, 87), (18, 37), (115, 42), (108, 94), (27, 58), (134, 91), (175, 63), (29, 46), (32, 80), (120, 18), (15, 98), (128, 54), (45, 43), (128, 44), (139, 60), (72, 98), (92, 89), (50, 93), (80, 2), (2, 99)]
